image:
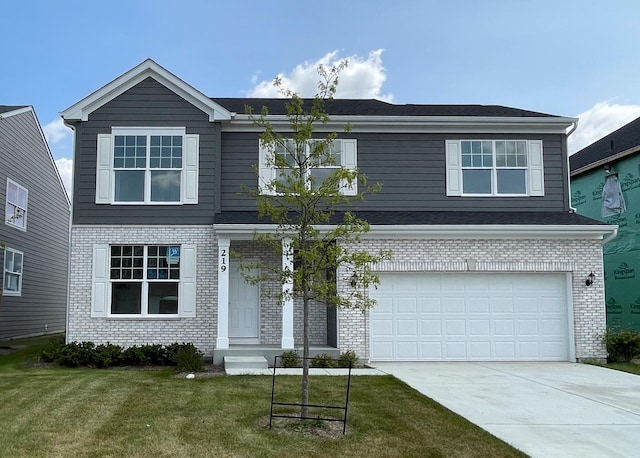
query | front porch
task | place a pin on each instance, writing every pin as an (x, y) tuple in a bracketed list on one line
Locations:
[(269, 352), (250, 319)]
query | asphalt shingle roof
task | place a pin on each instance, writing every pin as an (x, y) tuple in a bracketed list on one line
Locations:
[(6, 108), (386, 218), (372, 107), (620, 140)]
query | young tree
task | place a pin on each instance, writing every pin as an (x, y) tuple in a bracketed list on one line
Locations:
[(303, 200)]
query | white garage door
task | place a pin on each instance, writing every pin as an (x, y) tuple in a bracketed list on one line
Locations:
[(470, 316)]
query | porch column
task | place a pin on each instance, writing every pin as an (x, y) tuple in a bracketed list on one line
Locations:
[(287, 306), (223, 293)]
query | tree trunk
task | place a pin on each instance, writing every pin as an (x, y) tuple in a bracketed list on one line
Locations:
[(305, 357)]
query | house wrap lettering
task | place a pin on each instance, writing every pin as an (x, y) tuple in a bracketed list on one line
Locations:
[(578, 198), (624, 272), (629, 182), (613, 307), (597, 193), (635, 306)]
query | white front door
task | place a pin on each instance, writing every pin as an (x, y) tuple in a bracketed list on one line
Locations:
[(244, 309)]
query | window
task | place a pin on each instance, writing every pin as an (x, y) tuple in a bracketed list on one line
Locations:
[(12, 284), (147, 166), (341, 153), (494, 168), (16, 207), (144, 279)]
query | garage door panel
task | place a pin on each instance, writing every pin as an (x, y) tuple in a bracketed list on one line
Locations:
[(470, 316)]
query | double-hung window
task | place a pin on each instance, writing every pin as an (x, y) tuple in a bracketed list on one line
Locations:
[(147, 166), (494, 168), (16, 205), (277, 163), (145, 279), (12, 283)]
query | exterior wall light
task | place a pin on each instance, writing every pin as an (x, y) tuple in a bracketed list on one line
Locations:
[(590, 279), (354, 280)]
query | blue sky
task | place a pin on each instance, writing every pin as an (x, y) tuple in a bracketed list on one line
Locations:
[(565, 57)]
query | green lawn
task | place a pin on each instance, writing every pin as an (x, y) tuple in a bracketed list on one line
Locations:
[(123, 412), (632, 368)]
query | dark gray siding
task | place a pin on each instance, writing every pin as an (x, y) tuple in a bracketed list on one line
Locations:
[(148, 104), (25, 159), (411, 168)]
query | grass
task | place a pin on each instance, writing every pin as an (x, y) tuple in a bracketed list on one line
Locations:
[(632, 368), (56, 412)]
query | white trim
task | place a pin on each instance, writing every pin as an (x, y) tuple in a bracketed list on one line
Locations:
[(287, 341), (80, 111), (24, 216), (607, 160), (222, 341), (442, 231), (419, 124), (570, 316), (6, 292)]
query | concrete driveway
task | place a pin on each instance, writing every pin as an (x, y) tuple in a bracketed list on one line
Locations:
[(543, 409)]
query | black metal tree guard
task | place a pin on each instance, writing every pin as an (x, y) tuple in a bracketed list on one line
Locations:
[(292, 404)]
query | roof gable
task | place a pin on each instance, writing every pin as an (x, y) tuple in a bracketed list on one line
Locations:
[(147, 69)]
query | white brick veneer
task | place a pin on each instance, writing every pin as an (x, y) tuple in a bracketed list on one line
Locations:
[(577, 257), (201, 330)]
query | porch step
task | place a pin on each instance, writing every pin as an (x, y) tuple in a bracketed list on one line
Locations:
[(245, 362)]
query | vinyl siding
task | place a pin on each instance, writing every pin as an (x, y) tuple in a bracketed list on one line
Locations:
[(148, 104), (411, 168), (25, 159)]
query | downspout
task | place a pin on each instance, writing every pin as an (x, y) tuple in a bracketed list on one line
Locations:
[(613, 235), (572, 130)]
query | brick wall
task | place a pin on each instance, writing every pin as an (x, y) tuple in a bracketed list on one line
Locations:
[(576, 257)]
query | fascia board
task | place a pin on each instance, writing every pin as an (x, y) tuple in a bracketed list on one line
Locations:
[(491, 231), (80, 111), (8, 114), (420, 124)]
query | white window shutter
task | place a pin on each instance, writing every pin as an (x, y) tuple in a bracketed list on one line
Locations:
[(100, 281), (188, 280), (454, 170), (266, 170), (536, 168), (350, 161), (190, 171), (103, 169)]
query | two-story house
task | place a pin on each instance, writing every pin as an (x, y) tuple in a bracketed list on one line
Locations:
[(35, 230), (489, 263)]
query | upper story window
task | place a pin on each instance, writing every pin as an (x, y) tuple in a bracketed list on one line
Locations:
[(147, 166), (494, 168), (12, 283), (16, 205), (341, 153)]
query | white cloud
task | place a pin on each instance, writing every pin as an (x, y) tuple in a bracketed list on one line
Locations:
[(361, 79), (599, 121), (56, 131), (65, 168)]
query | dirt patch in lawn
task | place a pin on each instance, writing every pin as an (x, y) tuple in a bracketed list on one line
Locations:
[(210, 370), (305, 428)]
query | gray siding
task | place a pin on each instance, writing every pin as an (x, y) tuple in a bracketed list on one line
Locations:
[(411, 168), (148, 104), (25, 159)]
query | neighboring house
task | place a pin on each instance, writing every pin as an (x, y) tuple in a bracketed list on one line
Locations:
[(605, 185), (489, 263), (35, 230)]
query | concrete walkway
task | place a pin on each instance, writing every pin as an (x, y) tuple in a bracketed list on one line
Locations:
[(543, 409)]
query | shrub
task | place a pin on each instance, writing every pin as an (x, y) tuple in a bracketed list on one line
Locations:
[(348, 358), (622, 345), (135, 356), (107, 355), (76, 354), (187, 357), (290, 359), (323, 360), (49, 350)]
